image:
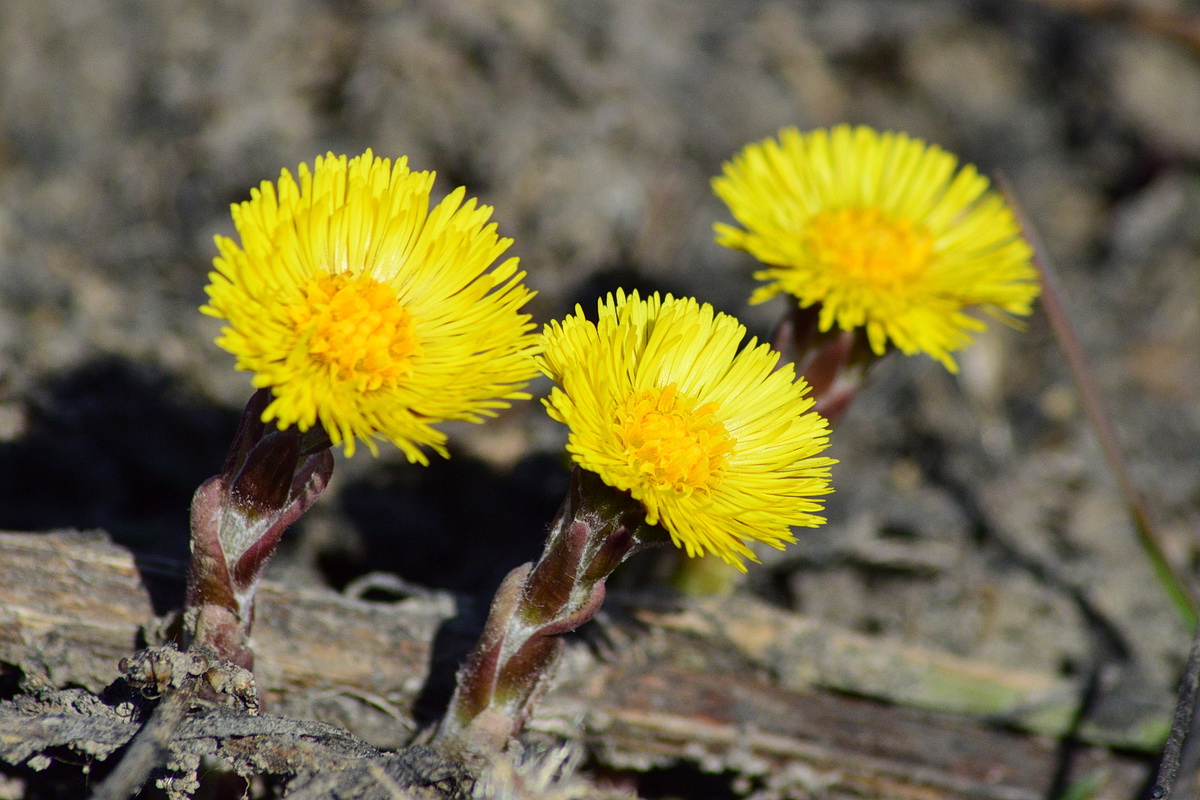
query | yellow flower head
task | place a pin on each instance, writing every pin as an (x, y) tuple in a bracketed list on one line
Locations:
[(367, 312), (884, 231), (717, 445)]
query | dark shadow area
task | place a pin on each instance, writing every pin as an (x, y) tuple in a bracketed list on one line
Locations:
[(624, 275), (120, 447), (69, 775), (448, 651), (684, 780), (11, 678), (456, 525), (627, 274)]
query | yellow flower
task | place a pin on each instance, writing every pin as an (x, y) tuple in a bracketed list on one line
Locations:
[(883, 231), (367, 312), (717, 445)]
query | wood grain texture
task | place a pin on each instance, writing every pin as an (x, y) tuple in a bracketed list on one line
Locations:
[(656, 692)]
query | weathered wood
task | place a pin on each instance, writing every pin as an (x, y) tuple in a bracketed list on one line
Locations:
[(246, 743), (704, 683)]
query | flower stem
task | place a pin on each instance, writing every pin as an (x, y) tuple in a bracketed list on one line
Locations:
[(270, 478), (831, 362), (596, 529)]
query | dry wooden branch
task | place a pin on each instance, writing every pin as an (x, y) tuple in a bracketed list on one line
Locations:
[(734, 688)]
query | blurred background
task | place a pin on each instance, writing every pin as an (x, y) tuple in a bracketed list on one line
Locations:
[(973, 513)]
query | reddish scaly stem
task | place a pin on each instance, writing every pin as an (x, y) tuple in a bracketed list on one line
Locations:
[(269, 479), (831, 362), (596, 529)]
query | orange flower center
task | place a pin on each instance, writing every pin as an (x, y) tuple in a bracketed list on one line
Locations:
[(865, 246), (354, 325), (671, 443)]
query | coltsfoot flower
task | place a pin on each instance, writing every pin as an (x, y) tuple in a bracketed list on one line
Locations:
[(883, 231), (367, 312), (718, 446)]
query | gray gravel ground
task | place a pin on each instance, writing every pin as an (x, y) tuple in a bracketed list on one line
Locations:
[(973, 513)]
